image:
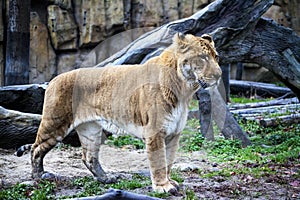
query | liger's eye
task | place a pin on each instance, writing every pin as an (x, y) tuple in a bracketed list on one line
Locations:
[(217, 58)]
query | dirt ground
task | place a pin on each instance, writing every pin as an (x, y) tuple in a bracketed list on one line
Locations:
[(67, 162)]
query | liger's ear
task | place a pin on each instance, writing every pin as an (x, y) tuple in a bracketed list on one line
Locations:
[(208, 38), (179, 40)]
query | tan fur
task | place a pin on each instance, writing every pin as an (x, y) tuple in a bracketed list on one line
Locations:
[(149, 100)]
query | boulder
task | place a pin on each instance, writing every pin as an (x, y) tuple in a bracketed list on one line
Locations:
[(42, 60), (62, 28)]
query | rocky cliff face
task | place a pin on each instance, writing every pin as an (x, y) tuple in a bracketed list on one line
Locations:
[(1, 47), (64, 31)]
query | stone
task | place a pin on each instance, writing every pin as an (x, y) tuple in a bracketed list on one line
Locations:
[(42, 60), (29, 183), (62, 28), (185, 167), (172, 10), (69, 61), (1, 49), (1, 26), (65, 4), (90, 17), (199, 4), (185, 8), (152, 13), (277, 13), (1, 65), (114, 15), (66, 62)]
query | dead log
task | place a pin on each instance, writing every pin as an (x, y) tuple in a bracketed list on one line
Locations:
[(225, 120), (115, 194), (265, 90), (18, 128), (286, 120), (240, 34), (264, 104), (205, 116), (24, 98), (268, 110)]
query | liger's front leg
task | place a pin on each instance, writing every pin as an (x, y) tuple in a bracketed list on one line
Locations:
[(156, 152), (172, 143)]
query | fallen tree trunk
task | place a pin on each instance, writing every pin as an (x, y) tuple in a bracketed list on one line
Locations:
[(264, 104), (268, 110), (225, 120), (287, 120), (114, 194), (24, 98), (265, 90), (205, 116), (18, 128)]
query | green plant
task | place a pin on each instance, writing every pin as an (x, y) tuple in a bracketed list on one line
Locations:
[(92, 187), (193, 104), (190, 195), (239, 99), (123, 140), (137, 181), (176, 175), (44, 190), (159, 195)]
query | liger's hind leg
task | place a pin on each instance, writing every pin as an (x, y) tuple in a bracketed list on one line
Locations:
[(46, 139), (90, 135)]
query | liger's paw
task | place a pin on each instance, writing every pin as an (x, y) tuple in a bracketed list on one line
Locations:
[(171, 187), (107, 179), (50, 176)]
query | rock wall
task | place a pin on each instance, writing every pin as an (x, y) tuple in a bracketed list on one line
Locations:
[(1, 47), (63, 32)]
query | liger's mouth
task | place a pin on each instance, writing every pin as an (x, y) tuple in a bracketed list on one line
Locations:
[(203, 84)]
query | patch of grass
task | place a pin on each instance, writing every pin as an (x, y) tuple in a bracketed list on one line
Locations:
[(193, 105), (238, 99), (176, 175), (137, 181), (44, 190), (270, 146), (159, 195), (124, 140), (190, 195), (91, 187), (191, 139), (234, 169)]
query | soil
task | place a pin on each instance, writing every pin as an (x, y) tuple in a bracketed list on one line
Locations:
[(67, 162)]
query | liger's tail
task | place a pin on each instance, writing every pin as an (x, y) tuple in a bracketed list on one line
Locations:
[(22, 150)]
